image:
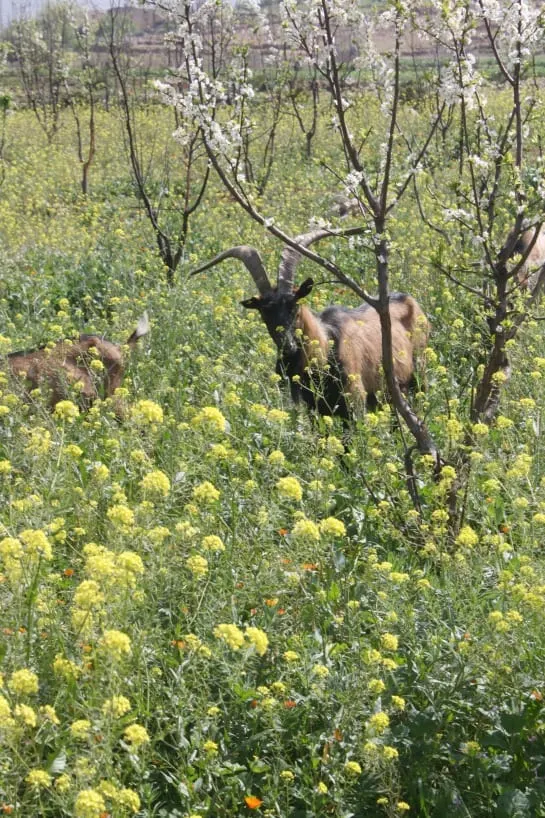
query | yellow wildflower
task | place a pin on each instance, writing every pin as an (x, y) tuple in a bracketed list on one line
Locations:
[(136, 735)]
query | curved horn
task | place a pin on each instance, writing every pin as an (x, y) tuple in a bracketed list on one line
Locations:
[(250, 258), (291, 258)]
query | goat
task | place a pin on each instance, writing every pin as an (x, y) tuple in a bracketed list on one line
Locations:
[(332, 360), (528, 273), (70, 362)]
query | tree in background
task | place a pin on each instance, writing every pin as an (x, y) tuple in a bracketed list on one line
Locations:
[(170, 202), (341, 42), (39, 46)]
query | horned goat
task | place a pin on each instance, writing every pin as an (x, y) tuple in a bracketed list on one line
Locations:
[(70, 362), (332, 360)]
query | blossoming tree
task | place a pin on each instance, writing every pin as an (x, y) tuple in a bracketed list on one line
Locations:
[(495, 200)]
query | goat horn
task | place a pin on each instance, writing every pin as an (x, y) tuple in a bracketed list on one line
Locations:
[(252, 260), (291, 257)]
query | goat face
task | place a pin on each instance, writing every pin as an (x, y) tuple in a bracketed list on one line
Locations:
[(279, 313)]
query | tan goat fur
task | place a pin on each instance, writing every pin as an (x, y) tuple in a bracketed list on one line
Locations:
[(70, 362)]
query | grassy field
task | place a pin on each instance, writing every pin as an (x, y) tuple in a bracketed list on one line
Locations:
[(209, 609)]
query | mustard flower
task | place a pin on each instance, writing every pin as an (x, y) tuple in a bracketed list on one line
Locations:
[(128, 799), (398, 702), (290, 488), (38, 779), (25, 714), (101, 472), (65, 668), (147, 412), (89, 804), (230, 634), (121, 516), (287, 775), (352, 768), (322, 788), (136, 735), (213, 711), (80, 728), (213, 543), (276, 458), (305, 531), (389, 753), (88, 595), (205, 493), (277, 416), (128, 566), (66, 410), (467, 537), (115, 643), (62, 783), (403, 806), (197, 565), (211, 419), (23, 682), (155, 484), (389, 641), (5, 467), (378, 723), (290, 656), (210, 747), (258, 639), (108, 789), (116, 707), (331, 527), (186, 530), (6, 721), (36, 543), (49, 714), (158, 534), (376, 687), (320, 671)]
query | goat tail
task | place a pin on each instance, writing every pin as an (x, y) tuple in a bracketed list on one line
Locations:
[(142, 328)]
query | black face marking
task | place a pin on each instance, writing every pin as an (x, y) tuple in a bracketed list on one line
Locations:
[(279, 313)]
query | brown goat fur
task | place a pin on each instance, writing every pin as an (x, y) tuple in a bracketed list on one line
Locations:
[(69, 362), (527, 275)]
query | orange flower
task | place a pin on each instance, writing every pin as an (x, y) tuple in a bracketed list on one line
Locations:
[(337, 735), (281, 611), (536, 695), (272, 602), (309, 566), (289, 703), (7, 809), (68, 572), (252, 802), (282, 531)]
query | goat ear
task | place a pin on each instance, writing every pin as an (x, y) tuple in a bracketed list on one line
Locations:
[(305, 289), (251, 303)]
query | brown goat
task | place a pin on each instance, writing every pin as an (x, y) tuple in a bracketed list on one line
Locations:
[(70, 362), (332, 360), (528, 273)]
